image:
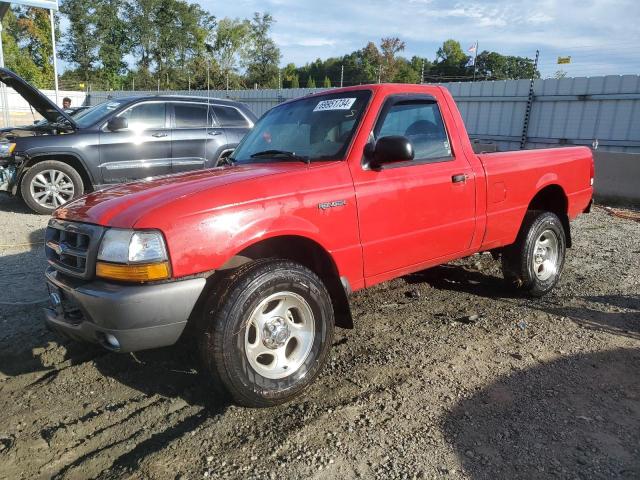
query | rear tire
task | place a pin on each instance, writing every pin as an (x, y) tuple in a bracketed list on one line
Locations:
[(50, 184), (266, 332), (533, 264)]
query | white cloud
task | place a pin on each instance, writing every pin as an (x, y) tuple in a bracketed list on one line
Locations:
[(288, 40), (602, 32)]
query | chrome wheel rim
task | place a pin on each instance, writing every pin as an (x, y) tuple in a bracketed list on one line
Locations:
[(545, 255), (51, 188), (279, 335)]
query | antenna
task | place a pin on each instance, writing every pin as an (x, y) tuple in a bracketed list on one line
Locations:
[(209, 115)]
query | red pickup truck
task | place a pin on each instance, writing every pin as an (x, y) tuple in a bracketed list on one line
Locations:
[(328, 194)]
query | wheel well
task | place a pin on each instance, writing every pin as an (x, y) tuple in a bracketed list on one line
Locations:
[(71, 161), (308, 253), (553, 199)]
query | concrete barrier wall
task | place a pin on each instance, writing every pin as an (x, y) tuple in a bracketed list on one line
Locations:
[(617, 178)]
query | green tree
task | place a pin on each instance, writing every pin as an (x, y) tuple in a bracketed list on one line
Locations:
[(450, 61), (311, 83), (494, 66), (419, 68), (79, 42), (32, 34), (290, 76), (173, 41), (141, 15), (326, 83), (390, 47), (406, 72), (14, 57), (230, 38), (370, 61), (182, 31), (262, 57), (112, 34)]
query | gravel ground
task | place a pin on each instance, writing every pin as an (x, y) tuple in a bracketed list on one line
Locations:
[(446, 375)]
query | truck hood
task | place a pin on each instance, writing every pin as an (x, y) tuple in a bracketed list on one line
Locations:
[(41, 103), (123, 205)]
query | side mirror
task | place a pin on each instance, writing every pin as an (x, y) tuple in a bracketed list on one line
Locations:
[(117, 123), (394, 148)]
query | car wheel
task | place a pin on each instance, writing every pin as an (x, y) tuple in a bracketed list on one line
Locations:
[(266, 332), (533, 264), (50, 184)]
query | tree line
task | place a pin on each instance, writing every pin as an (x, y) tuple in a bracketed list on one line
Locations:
[(177, 45), (384, 63)]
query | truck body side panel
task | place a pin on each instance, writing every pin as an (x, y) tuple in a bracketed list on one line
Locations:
[(206, 229), (514, 178), (376, 225)]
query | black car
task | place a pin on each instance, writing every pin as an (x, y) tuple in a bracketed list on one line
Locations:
[(124, 139)]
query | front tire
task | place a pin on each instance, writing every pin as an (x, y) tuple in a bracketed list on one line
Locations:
[(266, 332), (50, 184), (533, 264)]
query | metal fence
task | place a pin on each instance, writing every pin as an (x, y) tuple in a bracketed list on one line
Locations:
[(602, 111), (569, 111), (259, 101), (20, 113)]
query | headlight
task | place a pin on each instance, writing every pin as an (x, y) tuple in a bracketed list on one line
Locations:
[(130, 255), (6, 149)]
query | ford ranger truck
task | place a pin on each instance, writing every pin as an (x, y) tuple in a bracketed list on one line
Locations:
[(328, 194)]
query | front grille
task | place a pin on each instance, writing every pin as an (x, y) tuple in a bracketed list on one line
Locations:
[(72, 247)]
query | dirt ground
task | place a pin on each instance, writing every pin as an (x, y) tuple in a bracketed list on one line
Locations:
[(446, 375)]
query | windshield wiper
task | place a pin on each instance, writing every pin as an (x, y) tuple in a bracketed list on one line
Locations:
[(284, 153)]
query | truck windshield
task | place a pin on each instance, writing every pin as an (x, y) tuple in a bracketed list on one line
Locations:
[(88, 117), (312, 128)]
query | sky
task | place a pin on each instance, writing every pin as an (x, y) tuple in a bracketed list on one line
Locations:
[(602, 37)]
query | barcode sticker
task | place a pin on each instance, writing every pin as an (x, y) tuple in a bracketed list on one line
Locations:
[(335, 104)]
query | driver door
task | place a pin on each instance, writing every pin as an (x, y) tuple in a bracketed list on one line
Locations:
[(412, 213)]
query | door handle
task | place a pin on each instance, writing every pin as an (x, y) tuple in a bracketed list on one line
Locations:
[(159, 135), (459, 178), (215, 132)]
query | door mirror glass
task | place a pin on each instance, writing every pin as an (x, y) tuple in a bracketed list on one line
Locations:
[(393, 148), (117, 123)]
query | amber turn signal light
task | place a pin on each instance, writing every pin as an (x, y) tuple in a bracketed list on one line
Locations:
[(145, 272)]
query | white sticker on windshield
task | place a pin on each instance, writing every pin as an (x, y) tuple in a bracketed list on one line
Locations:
[(335, 104)]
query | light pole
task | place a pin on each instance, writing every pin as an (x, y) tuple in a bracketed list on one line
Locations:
[(4, 7), (53, 47)]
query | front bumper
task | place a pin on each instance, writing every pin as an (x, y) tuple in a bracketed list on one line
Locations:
[(121, 317)]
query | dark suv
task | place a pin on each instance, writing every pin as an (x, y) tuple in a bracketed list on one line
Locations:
[(124, 139)]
